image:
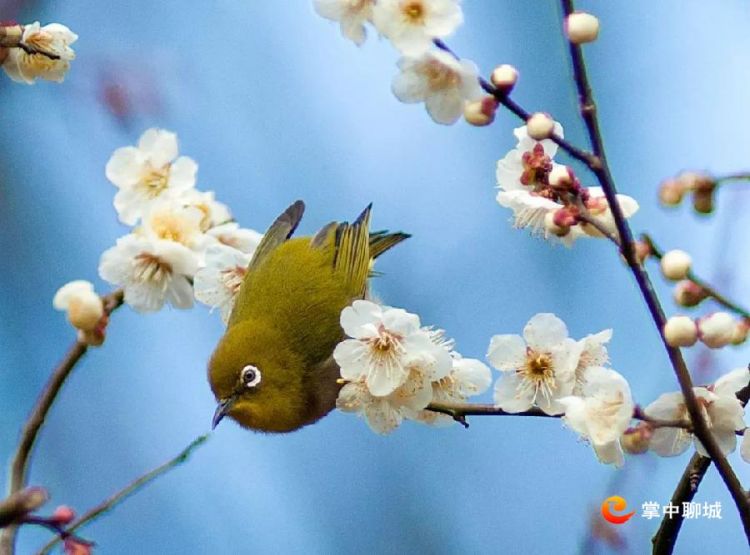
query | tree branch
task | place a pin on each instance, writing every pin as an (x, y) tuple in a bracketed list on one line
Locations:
[(16, 506), (22, 458), (603, 175), (133, 487)]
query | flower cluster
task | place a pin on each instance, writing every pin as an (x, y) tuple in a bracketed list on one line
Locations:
[(721, 409), (548, 370), (38, 52), (183, 243), (393, 367), (547, 198), (427, 74)]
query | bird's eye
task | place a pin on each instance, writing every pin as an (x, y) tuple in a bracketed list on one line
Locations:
[(250, 376)]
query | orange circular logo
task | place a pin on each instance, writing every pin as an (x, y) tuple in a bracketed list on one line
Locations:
[(615, 503)]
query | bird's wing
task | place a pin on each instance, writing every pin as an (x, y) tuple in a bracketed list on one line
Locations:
[(281, 230)]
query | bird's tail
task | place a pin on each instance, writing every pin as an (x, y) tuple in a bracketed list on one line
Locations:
[(381, 241)]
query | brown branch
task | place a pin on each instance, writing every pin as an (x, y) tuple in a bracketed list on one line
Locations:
[(22, 458), (603, 175), (459, 412), (120, 496), (727, 303)]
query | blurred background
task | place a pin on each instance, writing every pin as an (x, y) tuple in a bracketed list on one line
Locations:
[(275, 105)]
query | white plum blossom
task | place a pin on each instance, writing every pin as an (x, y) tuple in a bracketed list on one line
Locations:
[(232, 235), (745, 446), (720, 407), (602, 413), (215, 213), (171, 220), (151, 272), (350, 14), (468, 377), (538, 368), (412, 25), (525, 177), (528, 163), (149, 172), (46, 54), (593, 353), (443, 83), (218, 282), (71, 291), (385, 346)]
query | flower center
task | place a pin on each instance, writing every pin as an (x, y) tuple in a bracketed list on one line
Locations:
[(232, 278), (439, 76), (155, 181), (170, 228), (536, 166), (538, 374), (414, 12), (151, 268)]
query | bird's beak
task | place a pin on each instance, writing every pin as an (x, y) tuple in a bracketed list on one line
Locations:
[(225, 405)]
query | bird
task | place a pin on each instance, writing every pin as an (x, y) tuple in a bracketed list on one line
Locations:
[(273, 369)]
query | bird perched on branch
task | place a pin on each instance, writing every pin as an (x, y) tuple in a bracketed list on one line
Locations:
[(273, 369)]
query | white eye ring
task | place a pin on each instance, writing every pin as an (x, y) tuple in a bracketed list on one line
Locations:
[(250, 376)]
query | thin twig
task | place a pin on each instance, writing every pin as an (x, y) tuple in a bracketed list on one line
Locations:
[(627, 247), (117, 498), (459, 412), (724, 301), (22, 458)]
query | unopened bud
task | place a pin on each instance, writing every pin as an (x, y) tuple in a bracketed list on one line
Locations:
[(559, 177), (636, 440), (581, 27), (703, 202), (688, 293), (85, 311), (552, 227), (540, 126), (671, 192), (675, 264), (694, 181), (504, 77), (480, 112), (680, 331), (716, 330), (63, 515), (741, 328), (642, 251), (94, 338)]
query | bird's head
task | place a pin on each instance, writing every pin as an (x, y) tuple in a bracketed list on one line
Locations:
[(257, 379)]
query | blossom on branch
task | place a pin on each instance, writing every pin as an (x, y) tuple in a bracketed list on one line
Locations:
[(351, 15), (602, 412), (149, 172), (43, 53), (412, 25), (538, 368), (151, 272), (384, 344), (547, 198), (443, 83), (720, 407), (218, 282)]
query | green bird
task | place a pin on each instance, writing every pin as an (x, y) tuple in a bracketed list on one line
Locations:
[(273, 369)]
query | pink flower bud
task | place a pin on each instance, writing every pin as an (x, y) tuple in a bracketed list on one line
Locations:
[(504, 77), (63, 515), (688, 293), (480, 112)]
